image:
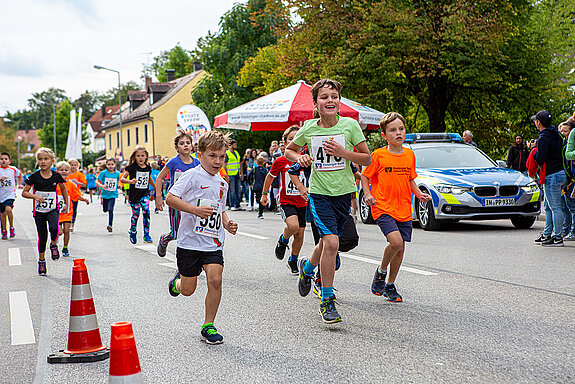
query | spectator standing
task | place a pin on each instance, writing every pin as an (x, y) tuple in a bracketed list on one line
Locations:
[(245, 185), (549, 155), (518, 153), (234, 171), (567, 201), (468, 138)]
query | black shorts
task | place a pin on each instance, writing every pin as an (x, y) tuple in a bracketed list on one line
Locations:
[(191, 262), (330, 213), (6, 203), (388, 224), (288, 210)]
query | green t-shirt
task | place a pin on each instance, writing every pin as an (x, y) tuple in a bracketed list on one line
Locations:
[(330, 176)]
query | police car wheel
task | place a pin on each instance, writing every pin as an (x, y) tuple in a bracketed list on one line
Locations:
[(523, 222), (426, 216), (364, 210)]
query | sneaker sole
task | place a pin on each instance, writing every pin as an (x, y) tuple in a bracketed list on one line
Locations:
[(338, 320), (553, 245), (205, 340), (398, 300)]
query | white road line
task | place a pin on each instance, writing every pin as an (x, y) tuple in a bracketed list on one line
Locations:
[(20, 319), (14, 257), (254, 236), (376, 262)]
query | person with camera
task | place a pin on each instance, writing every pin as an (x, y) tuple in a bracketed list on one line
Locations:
[(517, 156)]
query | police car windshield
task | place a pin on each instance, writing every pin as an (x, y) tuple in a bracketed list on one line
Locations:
[(451, 156)]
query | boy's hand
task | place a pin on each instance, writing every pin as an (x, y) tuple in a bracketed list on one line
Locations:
[(231, 227), (64, 208), (304, 192), (333, 148), (86, 201), (370, 200), (305, 160), (3, 177), (159, 203), (204, 211), (264, 200), (424, 197)]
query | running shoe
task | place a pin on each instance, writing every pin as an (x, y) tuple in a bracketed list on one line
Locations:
[(4, 235), (328, 312), (109, 228), (378, 283), (541, 239), (12, 232), (172, 285), (260, 216), (41, 267), (552, 242), (292, 264), (281, 248), (569, 237), (54, 252), (337, 261), (317, 286), (147, 239), (133, 238), (161, 248), (391, 293), (304, 283), (65, 252), (72, 228), (210, 334)]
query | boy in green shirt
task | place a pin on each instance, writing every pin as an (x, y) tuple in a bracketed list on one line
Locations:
[(331, 140)]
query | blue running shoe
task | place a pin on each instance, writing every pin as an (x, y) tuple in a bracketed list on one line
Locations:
[(327, 310), (304, 282), (65, 252), (378, 283), (391, 294), (133, 238), (172, 285), (147, 239), (210, 334)]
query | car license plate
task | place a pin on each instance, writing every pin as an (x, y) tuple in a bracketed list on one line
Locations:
[(499, 202)]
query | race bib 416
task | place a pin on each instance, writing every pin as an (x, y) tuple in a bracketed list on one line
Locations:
[(321, 160)]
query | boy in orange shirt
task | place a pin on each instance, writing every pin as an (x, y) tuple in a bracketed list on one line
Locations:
[(79, 179), (74, 193), (392, 174)]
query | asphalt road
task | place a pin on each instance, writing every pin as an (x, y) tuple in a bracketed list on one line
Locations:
[(482, 303)]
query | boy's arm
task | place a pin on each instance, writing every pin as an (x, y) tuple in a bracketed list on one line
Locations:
[(293, 155), (424, 197), (267, 182), (151, 182), (64, 192), (160, 187), (303, 191), (361, 157), (20, 180), (201, 211), (229, 225), (369, 199)]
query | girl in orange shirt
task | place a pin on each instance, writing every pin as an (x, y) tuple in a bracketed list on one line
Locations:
[(74, 193)]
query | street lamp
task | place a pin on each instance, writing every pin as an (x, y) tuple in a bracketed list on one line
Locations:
[(18, 137), (120, 106)]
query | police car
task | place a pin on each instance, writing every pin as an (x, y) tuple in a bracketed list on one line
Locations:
[(465, 184)]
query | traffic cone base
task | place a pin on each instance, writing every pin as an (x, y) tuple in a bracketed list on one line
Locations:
[(62, 357)]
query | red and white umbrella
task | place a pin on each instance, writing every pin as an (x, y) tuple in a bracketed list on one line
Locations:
[(292, 105)]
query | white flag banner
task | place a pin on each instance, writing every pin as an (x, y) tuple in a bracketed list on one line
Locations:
[(79, 137), (71, 142)]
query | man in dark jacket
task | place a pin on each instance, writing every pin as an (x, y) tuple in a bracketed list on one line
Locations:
[(518, 153), (549, 153)]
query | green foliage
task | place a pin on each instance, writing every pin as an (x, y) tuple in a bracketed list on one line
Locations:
[(90, 102), (176, 58), (90, 157), (46, 133), (7, 139), (110, 97), (41, 104)]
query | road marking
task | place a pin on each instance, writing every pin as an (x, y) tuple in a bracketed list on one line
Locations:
[(376, 262), (254, 236), (20, 319), (14, 257)]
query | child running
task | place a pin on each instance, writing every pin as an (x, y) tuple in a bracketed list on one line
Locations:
[(260, 173), (331, 139), (44, 183), (10, 177), (79, 179), (91, 183), (65, 219), (200, 194), (139, 172), (175, 167), (392, 174), (292, 205), (108, 180)]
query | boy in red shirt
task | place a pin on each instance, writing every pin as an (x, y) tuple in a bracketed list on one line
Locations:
[(392, 174), (292, 205)]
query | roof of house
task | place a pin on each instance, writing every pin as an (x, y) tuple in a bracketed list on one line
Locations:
[(97, 119), (137, 95), (143, 110), (30, 136)]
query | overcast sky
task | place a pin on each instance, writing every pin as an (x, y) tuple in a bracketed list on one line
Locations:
[(55, 43)]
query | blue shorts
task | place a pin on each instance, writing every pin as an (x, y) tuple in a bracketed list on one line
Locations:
[(388, 224), (6, 203), (330, 213)]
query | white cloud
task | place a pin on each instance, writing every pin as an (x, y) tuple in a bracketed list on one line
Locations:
[(55, 43)]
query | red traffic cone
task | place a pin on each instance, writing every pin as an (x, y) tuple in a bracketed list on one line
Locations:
[(84, 342), (124, 362)]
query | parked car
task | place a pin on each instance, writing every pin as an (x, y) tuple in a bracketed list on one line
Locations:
[(465, 184)]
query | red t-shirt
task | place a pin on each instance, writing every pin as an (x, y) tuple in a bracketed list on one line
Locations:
[(288, 192)]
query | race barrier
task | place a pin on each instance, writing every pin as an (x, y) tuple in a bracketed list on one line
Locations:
[(84, 342), (124, 363)]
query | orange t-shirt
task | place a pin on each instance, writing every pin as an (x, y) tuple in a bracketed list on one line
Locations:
[(390, 176), (74, 194), (79, 176)]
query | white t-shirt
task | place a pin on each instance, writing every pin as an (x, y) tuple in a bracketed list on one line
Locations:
[(9, 184), (197, 186)]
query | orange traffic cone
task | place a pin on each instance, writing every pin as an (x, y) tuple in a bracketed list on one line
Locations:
[(84, 342), (124, 362)]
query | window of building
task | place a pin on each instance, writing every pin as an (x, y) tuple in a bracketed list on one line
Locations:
[(145, 133), (137, 136), (110, 140), (117, 139), (128, 136)]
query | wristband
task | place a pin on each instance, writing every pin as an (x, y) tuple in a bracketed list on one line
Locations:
[(264, 193)]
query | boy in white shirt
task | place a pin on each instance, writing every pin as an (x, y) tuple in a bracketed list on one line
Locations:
[(10, 179), (200, 194)]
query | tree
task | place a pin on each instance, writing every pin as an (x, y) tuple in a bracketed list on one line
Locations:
[(7, 138), (42, 104), (176, 58), (46, 133), (90, 102), (110, 97)]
